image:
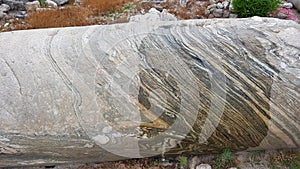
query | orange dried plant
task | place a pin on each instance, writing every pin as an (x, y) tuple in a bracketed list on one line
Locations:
[(72, 15)]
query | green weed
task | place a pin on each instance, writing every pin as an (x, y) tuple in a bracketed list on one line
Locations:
[(255, 156), (42, 3), (225, 160), (249, 8), (183, 161)]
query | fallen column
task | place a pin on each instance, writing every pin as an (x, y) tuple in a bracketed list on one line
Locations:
[(104, 93)]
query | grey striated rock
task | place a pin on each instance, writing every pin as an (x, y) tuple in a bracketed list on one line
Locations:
[(218, 13), (296, 3), (61, 2), (206, 12), (211, 16), (212, 2), (183, 3), (191, 87), (51, 4), (15, 4), (18, 15), (225, 4), (203, 166), (230, 7), (4, 8), (32, 6), (282, 15), (200, 3), (2, 14), (287, 5), (226, 14), (212, 6), (153, 15), (233, 15), (220, 5)]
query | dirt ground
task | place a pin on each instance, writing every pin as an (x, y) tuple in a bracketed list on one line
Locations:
[(259, 159)]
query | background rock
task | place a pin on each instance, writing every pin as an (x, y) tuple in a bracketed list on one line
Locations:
[(4, 8), (153, 15), (2, 14), (296, 3), (32, 6), (50, 4), (61, 2), (203, 166)]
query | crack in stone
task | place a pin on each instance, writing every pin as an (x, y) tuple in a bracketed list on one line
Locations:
[(76, 95), (15, 75)]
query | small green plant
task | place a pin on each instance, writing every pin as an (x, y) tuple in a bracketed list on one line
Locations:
[(225, 160), (183, 161), (42, 3), (248, 8), (255, 156), (114, 14), (128, 6)]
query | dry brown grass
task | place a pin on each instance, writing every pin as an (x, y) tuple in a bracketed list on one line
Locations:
[(72, 15), (99, 6)]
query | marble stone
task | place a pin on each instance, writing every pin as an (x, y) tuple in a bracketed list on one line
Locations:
[(141, 89)]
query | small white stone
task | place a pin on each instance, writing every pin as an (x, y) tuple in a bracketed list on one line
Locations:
[(206, 12), (287, 5), (153, 10), (212, 1), (55, 112), (101, 139), (51, 4), (257, 18), (193, 162), (2, 14), (220, 5), (233, 15), (88, 145), (203, 166), (3, 139), (107, 129), (211, 6), (200, 3), (32, 6), (117, 135), (225, 4), (283, 65), (4, 8), (230, 7)]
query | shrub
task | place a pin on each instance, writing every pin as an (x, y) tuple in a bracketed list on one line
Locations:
[(248, 8)]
